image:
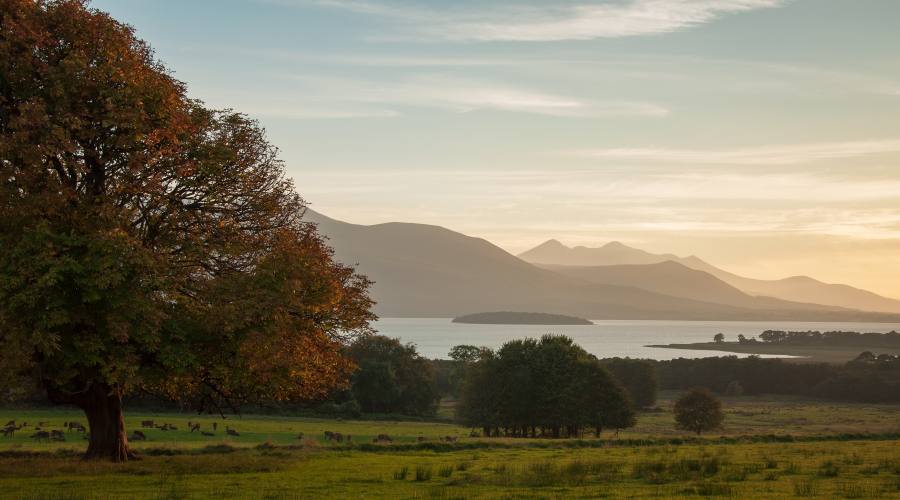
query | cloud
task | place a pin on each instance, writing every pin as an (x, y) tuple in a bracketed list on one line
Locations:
[(792, 154), (522, 21), (465, 95)]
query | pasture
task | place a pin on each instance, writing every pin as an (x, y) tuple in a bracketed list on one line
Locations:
[(269, 460)]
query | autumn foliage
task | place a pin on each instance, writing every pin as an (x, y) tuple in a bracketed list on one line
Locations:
[(149, 243)]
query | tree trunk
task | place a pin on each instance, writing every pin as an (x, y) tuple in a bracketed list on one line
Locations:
[(102, 405), (108, 438)]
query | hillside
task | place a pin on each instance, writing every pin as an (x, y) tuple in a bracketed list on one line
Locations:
[(429, 271), (678, 280), (800, 289)]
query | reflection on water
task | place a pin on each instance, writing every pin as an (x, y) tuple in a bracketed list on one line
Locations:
[(435, 336)]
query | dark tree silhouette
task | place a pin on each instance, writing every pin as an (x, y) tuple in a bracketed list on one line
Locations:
[(637, 376), (392, 377), (698, 411), (549, 386)]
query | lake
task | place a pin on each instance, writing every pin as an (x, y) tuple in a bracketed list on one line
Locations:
[(605, 339)]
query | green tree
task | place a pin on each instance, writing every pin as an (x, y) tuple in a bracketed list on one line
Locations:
[(149, 243), (550, 385), (392, 377), (698, 411), (637, 376), (466, 353)]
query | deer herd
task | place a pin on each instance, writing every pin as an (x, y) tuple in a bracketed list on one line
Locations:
[(41, 433)]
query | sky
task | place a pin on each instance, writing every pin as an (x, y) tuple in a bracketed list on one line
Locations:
[(760, 135)]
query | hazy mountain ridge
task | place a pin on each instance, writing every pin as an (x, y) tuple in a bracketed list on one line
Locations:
[(675, 279), (800, 289), (429, 271)]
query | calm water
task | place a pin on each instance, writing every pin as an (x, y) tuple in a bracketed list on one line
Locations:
[(435, 336)]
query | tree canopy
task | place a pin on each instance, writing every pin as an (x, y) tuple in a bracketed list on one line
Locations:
[(150, 243), (698, 411), (637, 377), (392, 377), (550, 385)]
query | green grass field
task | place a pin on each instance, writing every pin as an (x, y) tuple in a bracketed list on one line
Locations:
[(268, 460)]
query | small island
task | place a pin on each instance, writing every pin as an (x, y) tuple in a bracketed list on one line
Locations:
[(520, 318)]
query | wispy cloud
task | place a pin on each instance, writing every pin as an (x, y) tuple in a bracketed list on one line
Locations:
[(791, 154), (464, 95), (522, 21)]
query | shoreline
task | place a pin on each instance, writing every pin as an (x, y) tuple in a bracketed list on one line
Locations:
[(797, 353)]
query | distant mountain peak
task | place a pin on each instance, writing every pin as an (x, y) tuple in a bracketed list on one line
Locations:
[(551, 244)]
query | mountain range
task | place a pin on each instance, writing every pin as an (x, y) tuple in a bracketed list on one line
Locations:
[(795, 288), (422, 270)]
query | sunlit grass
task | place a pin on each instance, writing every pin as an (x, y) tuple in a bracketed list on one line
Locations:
[(269, 460)]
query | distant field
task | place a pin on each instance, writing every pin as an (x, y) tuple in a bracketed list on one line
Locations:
[(268, 461)]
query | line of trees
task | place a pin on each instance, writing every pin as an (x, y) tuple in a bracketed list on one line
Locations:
[(869, 378), (837, 338), (541, 387), (637, 377)]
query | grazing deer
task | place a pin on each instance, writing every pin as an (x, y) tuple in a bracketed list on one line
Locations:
[(137, 435), (329, 435), (76, 426), (194, 427), (383, 438), (300, 436), (41, 436), (231, 432), (449, 439), (11, 423), (56, 435), (421, 439), (9, 430), (147, 424)]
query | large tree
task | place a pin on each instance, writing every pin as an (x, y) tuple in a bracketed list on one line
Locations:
[(550, 385), (149, 243)]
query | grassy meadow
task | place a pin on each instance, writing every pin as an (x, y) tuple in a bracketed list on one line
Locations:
[(269, 460)]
